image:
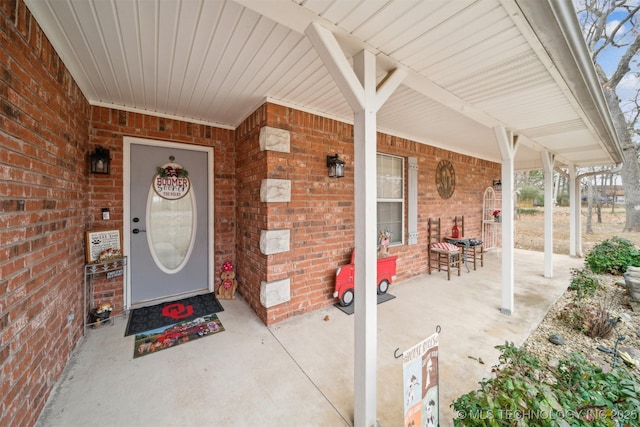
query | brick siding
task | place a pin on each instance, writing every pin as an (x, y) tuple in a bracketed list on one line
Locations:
[(251, 216), (321, 212), (107, 129), (43, 214)]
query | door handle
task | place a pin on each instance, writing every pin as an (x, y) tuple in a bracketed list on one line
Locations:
[(136, 231)]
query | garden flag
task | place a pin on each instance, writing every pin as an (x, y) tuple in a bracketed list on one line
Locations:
[(420, 371)]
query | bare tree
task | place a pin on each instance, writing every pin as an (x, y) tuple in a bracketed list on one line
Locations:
[(611, 30)]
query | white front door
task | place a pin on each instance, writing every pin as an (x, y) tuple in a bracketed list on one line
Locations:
[(168, 215)]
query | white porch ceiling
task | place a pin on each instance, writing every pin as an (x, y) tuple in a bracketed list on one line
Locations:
[(472, 64)]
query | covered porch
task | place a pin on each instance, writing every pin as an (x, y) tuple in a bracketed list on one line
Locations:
[(492, 86), (300, 372)]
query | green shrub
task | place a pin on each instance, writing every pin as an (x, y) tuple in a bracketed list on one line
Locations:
[(531, 192), (523, 393), (584, 388), (563, 199), (584, 283), (613, 256)]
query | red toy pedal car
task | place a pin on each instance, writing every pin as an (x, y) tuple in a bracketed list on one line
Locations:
[(345, 278)]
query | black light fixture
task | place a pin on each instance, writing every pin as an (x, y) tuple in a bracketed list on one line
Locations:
[(336, 167), (497, 185), (100, 161)]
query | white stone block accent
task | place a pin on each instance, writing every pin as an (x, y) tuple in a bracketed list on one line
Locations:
[(274, 241), (275, 190), (274, 139), (275, 292)]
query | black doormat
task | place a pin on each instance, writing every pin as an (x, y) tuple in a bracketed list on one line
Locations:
[(349, 309), (167, 313)]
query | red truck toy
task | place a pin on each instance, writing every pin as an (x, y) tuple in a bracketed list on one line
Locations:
[(345, 278)]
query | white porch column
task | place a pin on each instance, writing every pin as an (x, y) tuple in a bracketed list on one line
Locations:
[(507, 144), (366, 313), (358, 85), (574, 212), (547, 162)]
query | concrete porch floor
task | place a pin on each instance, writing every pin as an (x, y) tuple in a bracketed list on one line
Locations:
[(300, 372)]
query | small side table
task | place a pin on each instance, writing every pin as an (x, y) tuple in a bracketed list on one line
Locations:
[(114, 268)]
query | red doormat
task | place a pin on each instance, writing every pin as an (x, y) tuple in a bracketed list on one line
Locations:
[(176, 334), (168, 313)]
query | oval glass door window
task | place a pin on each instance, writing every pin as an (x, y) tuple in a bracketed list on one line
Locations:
[(171, 228)]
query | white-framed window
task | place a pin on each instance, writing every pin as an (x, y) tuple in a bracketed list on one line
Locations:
[(390, 195)]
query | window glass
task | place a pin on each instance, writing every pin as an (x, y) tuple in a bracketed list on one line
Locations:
[(390, 189), (390, 177), (171, 226)]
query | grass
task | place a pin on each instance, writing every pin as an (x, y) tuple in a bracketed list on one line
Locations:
[(529, 226)]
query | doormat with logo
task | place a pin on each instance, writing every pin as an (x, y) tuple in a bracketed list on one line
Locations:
[(168, 313), (349, 309), (176, 334)]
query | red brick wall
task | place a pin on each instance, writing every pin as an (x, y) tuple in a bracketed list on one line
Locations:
[(320, 214), (473, 176), (251, 169), (108, 127), (43, 215)]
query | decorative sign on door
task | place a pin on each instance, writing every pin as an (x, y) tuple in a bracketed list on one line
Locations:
[(171, 182)]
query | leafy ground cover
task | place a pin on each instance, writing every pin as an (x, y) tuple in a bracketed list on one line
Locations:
[(577, 382)]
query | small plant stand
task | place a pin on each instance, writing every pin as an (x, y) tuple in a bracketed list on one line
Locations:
[(110, 269)]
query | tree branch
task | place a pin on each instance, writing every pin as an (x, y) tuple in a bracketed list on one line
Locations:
[(623, 66)]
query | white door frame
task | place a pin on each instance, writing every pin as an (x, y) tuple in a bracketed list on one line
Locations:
[(126, 184)]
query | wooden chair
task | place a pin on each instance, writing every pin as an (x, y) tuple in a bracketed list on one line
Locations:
[(476, 249), (442, 255)]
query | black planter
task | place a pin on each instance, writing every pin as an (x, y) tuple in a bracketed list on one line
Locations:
[(98, 319)]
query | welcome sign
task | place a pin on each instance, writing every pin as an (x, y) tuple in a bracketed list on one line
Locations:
[(171, 182)]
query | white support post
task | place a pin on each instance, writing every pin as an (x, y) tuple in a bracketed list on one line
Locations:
[(358, 86), (574, 211), (366, 313), (507, 144), (547, 162), (578, 208)]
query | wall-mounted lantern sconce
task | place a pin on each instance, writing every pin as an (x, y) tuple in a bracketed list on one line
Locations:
[(100, 161), (497, 185), (336, 167)]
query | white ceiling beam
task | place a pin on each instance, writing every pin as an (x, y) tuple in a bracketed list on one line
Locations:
[(298, 19), (333, 58), (387, 86), (431, 90), (287, 13)]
